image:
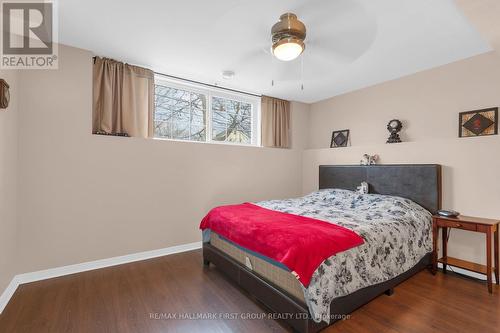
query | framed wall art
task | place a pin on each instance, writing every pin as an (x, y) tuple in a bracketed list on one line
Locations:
[(339, 139), (478, 123)]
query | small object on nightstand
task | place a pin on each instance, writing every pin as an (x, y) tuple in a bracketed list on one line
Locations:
[(448, 213), (488, 227)]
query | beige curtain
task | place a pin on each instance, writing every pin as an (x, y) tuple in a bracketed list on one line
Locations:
[(275, 116), (123, 99)]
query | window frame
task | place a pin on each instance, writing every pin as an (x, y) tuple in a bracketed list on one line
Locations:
[(209, 94)]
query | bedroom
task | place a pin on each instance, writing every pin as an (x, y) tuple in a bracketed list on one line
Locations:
[(101, 232)]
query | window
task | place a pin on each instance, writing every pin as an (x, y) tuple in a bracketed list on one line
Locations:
[(180, 114), (188, 112), (231, 120)]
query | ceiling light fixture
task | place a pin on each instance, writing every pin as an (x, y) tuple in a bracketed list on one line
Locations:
[(288, 37), (228, 75)]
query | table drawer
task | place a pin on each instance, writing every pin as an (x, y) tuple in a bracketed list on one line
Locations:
[(457, 225)]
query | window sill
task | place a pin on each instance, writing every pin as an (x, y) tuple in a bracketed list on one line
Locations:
[(215, 143), (208, 142)]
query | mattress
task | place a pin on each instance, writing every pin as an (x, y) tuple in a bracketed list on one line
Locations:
[(278, 276), (397, 234)]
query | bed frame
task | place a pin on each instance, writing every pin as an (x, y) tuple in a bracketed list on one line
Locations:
[(418, 182)]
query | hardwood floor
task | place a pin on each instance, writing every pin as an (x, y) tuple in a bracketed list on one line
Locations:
[(140, 297)]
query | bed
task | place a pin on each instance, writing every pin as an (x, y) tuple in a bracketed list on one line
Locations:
[(394, 220)]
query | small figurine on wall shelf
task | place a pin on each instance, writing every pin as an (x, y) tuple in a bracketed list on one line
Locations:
[(369, 160), (394, 127)]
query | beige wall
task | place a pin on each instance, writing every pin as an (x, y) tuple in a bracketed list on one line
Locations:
[(299, 125), (428, 103), (8, 181), (84, 197), (87, 197)]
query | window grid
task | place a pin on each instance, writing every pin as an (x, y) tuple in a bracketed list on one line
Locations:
[(242, 116), (189, 106), (250, 119)]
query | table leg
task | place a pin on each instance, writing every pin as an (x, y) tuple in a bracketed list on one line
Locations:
[(488, 260), (444, 232), (497, 268), (434, 246)]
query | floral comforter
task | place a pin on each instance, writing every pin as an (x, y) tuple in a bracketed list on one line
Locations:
[(397, 234)]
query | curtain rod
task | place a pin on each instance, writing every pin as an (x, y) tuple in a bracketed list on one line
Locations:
[(201, 83), (207, 84)]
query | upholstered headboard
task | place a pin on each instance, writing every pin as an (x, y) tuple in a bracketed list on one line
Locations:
[(420, 183)]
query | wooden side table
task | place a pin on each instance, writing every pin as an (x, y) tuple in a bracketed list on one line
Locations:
[(475, 224)]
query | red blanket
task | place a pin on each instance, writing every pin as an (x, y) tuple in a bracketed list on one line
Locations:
[(300, 243)]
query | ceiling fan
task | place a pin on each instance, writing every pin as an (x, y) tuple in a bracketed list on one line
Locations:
[(288, 37), (337, 35), (341, 32)]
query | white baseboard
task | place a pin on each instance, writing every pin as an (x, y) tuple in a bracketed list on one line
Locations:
[(91, 265), (88, 266), (8, 292)]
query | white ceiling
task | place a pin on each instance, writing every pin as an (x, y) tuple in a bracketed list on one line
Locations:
[(350, 44)]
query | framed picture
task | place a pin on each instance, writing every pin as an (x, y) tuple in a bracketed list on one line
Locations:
[(478, 123), (339, 139)]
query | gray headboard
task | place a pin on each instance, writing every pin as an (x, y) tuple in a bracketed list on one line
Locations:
[(420, 183)]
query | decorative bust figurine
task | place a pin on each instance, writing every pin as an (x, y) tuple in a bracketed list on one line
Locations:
[(394, 127)]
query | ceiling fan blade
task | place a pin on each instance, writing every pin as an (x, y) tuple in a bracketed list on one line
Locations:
[(285, 71), (259, 54), (343, 29), (332, 54), (309, 68), (343, 11), (315, 63), (348, 44)]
